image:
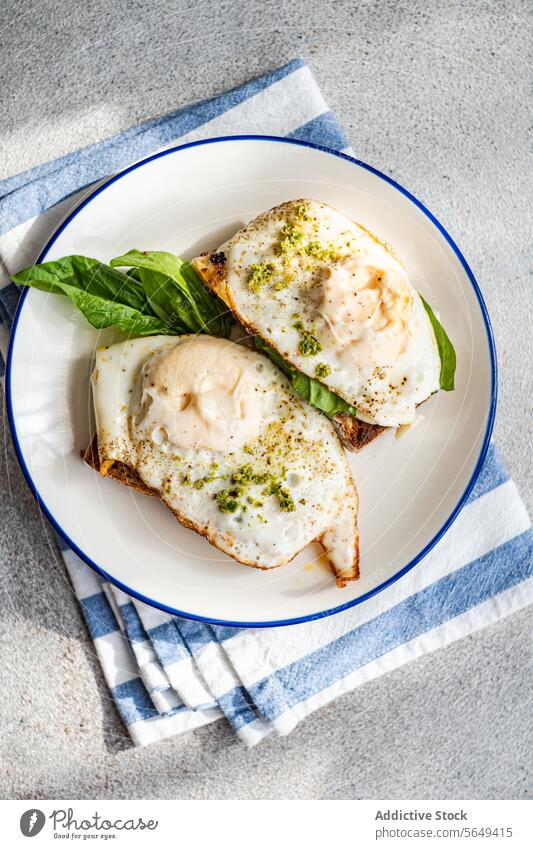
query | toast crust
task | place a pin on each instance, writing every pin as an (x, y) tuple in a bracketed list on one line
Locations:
[(128, 476), (354, 433), (120, 472)]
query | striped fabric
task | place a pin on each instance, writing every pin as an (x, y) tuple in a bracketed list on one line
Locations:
[(168, 674)]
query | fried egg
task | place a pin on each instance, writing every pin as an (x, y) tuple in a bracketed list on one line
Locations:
[(335, 302), (215, 430)]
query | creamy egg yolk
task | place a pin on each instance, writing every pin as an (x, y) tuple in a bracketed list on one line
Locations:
[(367, 309), (203, 394)]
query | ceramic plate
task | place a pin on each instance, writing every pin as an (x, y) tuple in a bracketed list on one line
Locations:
[(186, 200)]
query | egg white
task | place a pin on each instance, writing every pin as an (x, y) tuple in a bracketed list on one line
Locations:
[(295, 441), (384, 396)]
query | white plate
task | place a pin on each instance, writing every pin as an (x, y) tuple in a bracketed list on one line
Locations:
[(186, 200)]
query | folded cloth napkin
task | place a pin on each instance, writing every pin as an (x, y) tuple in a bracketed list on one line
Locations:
[(169, 674)]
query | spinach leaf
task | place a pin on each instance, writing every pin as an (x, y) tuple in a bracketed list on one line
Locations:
[(447, 354), (101, 312), (166, 300), (308, 387), (87, 275), (320, 396), (135, 273), (162, 302), (274, 355), (105, 296), (158, 294), (175, 290)]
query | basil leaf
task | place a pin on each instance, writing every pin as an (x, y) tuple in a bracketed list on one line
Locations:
[(273, 355), (166, 300), (177, 291), (101, 312), (155, 286), (319, 395), (88, 275), (135, 273), (159, 293), (309, 388), (448, 359)]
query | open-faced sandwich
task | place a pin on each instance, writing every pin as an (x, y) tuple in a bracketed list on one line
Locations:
[(215, 431), (334, 308), (240, 440)]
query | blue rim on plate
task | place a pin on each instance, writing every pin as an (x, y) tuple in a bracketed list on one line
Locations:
[(460, 504)]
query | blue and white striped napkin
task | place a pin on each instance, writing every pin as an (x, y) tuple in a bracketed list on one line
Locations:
[(168, 674)]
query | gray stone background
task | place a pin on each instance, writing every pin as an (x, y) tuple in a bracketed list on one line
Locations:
[(432, 93)]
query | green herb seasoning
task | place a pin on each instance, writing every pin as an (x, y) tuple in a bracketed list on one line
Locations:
[(285, 499), (292, 236), (286, 502), (284, 282), (322, 370), (246, 476), (309, 345), (260, 273), (301, 212), (199, 483), (325, 253), (228, 500)]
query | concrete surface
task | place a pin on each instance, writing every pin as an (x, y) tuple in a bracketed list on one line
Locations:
[(432, 93)]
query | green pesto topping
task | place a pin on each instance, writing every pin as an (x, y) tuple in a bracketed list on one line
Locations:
[(231, 500), (309, 345), (287, 274), (260, 273), (285, 499), (227, 501), (301, 212), (246, 476), (322, 370), (291, 238), (284, 282), (199, 483), (326, 253)]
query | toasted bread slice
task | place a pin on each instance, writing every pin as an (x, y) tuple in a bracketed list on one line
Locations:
[(354, 433), (118, 471), (332, 540)]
